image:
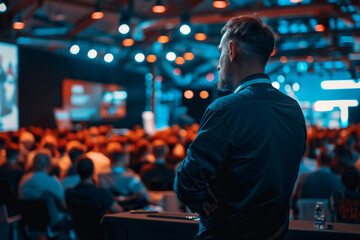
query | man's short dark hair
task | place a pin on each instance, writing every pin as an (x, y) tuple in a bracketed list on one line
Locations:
[(75, 153), (85, 167), (12, 153), (117, 156), (254, 36), (42, 161), (324, 158), (350, 177)]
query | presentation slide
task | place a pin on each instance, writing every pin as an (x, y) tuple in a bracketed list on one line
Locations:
[(89, 101), (9, 110)]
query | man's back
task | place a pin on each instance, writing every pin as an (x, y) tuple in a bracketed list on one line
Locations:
[(249, 147)]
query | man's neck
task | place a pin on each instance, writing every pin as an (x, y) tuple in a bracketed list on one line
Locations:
[(240, 76)]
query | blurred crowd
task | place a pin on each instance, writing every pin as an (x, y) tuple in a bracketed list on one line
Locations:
[(330, 172), (117, 168), (113, 168)]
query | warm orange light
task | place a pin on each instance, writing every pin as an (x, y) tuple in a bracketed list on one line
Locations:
[(309, 59), (180, 60), (204, 94), (273, 52), (18, 25), (358, 68), (200, 36), (177, 71), (319, 28), (189, 56), (188, 94), (151, 58), (163, 39), (97, 15), (295, 1), (283, 59), (159, 9), (219, 4), (128, 42), (210, 77)]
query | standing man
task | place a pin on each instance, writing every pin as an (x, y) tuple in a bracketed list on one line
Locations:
[(240, 170)]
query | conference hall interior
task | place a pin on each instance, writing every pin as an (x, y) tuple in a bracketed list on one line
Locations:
[(100, 101)]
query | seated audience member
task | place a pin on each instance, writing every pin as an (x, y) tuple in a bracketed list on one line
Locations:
[(318, 184), (140, 154), (122, 181), (65, 162), (345, 206), (10, 175), (97, 155), (12, 171), (26, 144), (157, 176), (72, 177), (39, 185), (48, 142), (87, 192)]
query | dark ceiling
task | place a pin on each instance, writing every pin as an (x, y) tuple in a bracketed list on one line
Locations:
[(55, 25)]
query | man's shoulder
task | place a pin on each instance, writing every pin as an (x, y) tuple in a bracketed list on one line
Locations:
[(225, 102)]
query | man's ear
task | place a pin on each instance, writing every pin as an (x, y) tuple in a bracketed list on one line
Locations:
[(233, 51)]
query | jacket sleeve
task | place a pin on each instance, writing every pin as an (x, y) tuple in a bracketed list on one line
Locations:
[(205, 158)]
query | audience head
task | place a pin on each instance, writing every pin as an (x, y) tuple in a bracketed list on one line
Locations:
[(75, 153), (12, 155), (85, 168), (350, 177), (42, 161), (160, 148), (324, 158), (27, 139)]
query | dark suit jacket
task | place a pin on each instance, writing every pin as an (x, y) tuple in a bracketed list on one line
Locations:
[(247, 151)]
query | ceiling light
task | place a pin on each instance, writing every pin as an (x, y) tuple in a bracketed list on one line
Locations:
[(97, 13), (319, 28), (18, 25), (200, 36), (92, 53), (128, 42), (189, 56), (159, 7), (3, 7), (185, 29), (276, 84), (188, 94), (171, 56), (139, 57), (108, 57), (163, 39), (220, 4), (151, 58), (75, 49), (180, 60), (124, 28), (204, 94), (296, 87)]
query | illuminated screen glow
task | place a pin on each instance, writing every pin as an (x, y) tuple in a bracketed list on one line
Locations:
[(89, 101), (9, 108)]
